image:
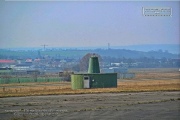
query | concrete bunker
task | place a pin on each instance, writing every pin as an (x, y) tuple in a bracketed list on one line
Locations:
[(93, 79)]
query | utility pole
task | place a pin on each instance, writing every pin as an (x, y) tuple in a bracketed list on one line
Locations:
[(44, 46), (108, 46)]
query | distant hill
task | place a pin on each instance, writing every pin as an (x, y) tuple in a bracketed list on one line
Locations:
[(171, 48), (134, 51), (120, 53)]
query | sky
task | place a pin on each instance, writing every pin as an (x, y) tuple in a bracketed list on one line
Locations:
[(86, 24)]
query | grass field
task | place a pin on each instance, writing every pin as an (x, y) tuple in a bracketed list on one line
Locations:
[(145, 80)]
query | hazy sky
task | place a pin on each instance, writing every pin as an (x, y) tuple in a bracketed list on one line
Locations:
[(77, 24)]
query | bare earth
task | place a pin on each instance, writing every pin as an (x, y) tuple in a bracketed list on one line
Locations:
[(121, 103), (103, 106)]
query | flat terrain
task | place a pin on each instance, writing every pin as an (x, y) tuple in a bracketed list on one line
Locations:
[(145, 80), (152, 94), (104, 106)]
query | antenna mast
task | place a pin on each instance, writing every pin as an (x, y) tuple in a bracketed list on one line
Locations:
[(108, 46), (44, 46)]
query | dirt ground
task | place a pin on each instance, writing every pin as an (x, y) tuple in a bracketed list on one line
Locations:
[(160, 105), (123, 103)]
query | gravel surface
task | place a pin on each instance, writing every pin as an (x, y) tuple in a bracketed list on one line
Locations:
[(104, 106)]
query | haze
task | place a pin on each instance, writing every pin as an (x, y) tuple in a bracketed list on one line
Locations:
[(85, 24)]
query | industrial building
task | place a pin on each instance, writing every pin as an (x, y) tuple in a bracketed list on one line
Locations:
[(93, 79)]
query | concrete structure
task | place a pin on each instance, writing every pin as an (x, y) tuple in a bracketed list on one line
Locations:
[(22, 67), (93, 79), (93, 65)]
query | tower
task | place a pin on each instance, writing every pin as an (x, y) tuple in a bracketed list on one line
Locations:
[(93, 65)]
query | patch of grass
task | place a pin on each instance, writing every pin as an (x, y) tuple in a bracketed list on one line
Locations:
[(29, 104), (100, 107), (155, 101), (19, 118), (65, 88)]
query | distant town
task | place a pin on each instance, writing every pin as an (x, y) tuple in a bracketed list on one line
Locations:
[(59, 60)]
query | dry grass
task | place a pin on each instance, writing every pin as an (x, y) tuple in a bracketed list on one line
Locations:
[(64, 88), (145, 80), (155, 75), (150, 85)]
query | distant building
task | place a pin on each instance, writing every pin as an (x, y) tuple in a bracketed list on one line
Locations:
[(6, 63), (93, 79), (114, 70), (107, 70), (33, 72), (22, 67), (28, 60)]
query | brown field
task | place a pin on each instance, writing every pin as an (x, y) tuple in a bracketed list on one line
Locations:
[(145, 80), (159, 101)]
